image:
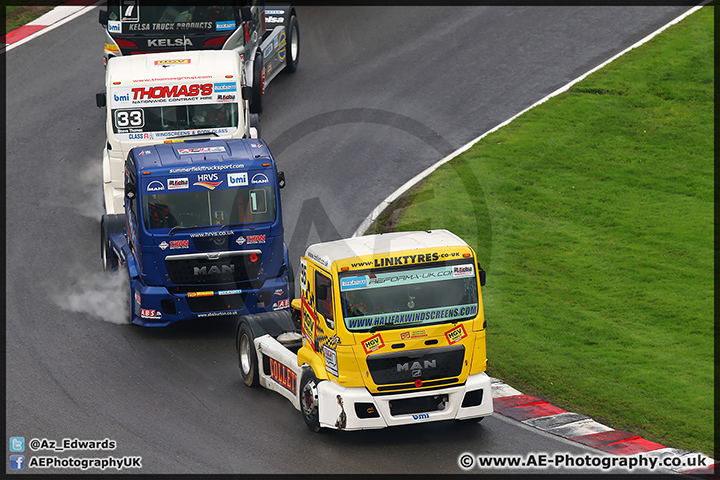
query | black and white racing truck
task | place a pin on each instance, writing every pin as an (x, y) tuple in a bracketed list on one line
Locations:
[(170, 97), (267, 38)]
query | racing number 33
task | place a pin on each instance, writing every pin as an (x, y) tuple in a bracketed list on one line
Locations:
[(129, 118)]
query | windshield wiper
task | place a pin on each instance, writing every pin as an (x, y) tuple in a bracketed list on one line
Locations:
[(384, 326), (198, 226), (178, 227), (231, 225)]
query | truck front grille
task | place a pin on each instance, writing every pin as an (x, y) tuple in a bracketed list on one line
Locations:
[(214, 267), (413, 365)]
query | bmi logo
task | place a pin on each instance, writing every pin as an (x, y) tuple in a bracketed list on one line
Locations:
[(237, 179)]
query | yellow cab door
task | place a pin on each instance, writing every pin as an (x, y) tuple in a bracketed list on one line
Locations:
[(318, 322)]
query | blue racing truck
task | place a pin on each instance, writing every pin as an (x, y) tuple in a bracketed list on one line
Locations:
[(202, 232)]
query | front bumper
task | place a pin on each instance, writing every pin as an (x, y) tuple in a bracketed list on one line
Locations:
[(157, 307), (342, 408)]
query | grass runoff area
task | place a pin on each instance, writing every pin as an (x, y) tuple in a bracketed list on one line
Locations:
[(18, 15), (593, 216)]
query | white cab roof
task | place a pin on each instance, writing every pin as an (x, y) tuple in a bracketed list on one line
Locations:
[(383, 243), (174, 67)]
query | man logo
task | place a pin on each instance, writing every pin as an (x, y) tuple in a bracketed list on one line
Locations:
[(155, 186), (260, 178), (416, 368), (214, 270)]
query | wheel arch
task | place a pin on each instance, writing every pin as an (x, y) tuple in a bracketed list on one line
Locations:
[(312, 360)]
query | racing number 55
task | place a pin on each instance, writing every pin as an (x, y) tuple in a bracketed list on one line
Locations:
[(129, 118)]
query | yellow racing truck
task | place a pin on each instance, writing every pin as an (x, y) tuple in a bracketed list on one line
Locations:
[(389, 330)]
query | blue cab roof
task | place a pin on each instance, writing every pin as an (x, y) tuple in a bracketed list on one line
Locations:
[(170, 158)]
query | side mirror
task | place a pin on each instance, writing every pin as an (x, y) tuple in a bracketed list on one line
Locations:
[(103, 17), (322, 292), (100, 99), (246, 93), (482, 275), (245, 14), (281, 179), (130, 190)]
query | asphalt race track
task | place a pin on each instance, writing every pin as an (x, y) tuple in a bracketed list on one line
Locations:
[(380, 94)]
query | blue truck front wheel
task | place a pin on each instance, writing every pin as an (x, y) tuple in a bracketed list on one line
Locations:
[(110, 224)]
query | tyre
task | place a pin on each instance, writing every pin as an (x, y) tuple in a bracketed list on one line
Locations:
[(257, 85), (309, 400), (247, 357), (110, 224), (293, 45), (254, 125), (291, 282)]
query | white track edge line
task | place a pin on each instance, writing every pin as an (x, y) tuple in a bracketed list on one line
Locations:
[(72, 16), (377, 211)]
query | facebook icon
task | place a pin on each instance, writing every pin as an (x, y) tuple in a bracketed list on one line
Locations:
[(17, 462)]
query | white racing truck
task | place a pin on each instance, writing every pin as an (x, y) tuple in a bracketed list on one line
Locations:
[(389, 330), (166, 97), (266, 37)]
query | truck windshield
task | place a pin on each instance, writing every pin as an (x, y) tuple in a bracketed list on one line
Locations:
[(163, 211), (175, 117), (154, 19), (409, 298)]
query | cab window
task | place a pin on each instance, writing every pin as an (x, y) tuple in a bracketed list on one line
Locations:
[(323, 298)]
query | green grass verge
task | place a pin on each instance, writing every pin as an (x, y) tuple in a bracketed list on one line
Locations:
[(18, 15), (593, 215)]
